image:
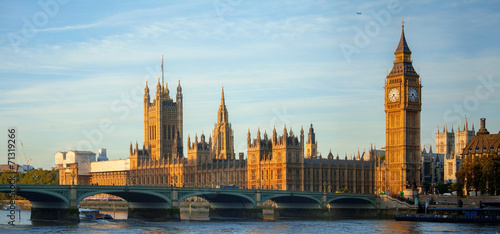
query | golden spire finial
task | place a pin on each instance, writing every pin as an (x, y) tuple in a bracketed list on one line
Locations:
[(403, 22)]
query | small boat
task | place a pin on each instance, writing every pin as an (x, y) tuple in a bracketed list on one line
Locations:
[(92, 214), (11, 207)]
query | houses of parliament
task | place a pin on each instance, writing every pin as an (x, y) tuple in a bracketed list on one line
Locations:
[(281, 160)]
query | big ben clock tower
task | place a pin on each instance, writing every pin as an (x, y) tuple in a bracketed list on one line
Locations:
[(403, 102)]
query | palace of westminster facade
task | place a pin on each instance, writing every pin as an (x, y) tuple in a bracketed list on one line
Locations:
[(283, 160)]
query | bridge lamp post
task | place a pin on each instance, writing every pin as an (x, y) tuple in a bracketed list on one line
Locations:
[(35, 176), (212, 183), (387, 181), (73, 176), (175, 179), (132, 180), (324, 186), (190, 203), (258, 182)]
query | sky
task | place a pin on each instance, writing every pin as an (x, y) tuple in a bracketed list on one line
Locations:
[(72, 73)]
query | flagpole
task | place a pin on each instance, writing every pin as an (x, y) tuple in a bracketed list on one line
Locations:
[(162, 82), (160, 111)]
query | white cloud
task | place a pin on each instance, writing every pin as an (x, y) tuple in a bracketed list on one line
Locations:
[(71, 27)]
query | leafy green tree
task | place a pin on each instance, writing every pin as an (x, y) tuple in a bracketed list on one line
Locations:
[(476, 175), (481, 173), (462, 174), (490, 165), (444, 188), (5, 178), (30, 177), (40, 177), (458, 186)]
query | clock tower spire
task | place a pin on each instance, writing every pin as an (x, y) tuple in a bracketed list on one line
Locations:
[(402, 112)]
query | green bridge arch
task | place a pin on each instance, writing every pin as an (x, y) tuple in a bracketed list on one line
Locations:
[(129, 194), (353, 198), (35, 194), (295, 195), (206, 194)]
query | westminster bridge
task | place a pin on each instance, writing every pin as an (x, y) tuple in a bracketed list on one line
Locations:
[(60, 202)]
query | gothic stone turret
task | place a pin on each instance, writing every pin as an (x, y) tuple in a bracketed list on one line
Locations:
[(275, 163)]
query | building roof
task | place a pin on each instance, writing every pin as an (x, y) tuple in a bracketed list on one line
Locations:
[(341, 162), (6, 167), (483, 142), (111, 165)]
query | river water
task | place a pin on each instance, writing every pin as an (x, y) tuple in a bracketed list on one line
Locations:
[(201, 225)]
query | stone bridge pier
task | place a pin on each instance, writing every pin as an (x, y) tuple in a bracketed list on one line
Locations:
[(234, 210), (153, 211)]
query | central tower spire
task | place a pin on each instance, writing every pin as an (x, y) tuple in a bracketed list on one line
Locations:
[(222, 109), (162, 82), (222, 99), (223, 147)]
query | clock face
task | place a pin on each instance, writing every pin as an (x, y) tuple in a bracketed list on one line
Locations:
[(413, 95), (393, 95)]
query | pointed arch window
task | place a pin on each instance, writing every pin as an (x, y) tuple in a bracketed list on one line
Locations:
[(222, 142), (168, 134), (164, 132), (173, 132)]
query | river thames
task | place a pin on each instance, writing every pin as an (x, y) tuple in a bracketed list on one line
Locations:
[(201, 225)]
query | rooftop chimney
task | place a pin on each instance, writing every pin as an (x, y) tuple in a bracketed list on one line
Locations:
[(482, 130)]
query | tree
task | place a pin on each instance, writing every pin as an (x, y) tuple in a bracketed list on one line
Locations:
[(463, 174), (458, 186), (30, 177), (444, 188), (490, 181), (40, 177), (481, 173)]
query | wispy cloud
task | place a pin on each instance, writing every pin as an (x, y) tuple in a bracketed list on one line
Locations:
[(68, 28)]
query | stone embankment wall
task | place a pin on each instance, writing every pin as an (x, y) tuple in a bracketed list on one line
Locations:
[(388, 207), (452, 201)]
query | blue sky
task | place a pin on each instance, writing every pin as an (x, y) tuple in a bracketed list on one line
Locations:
[(72, 73)]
